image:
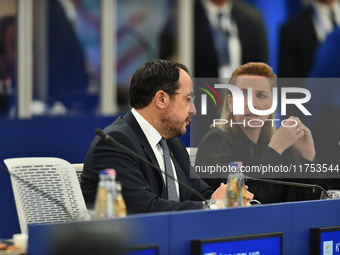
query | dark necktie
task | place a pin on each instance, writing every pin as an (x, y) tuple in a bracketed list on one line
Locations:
[(222, 42), (172, 193)]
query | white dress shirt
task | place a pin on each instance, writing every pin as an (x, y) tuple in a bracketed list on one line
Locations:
[(322, 20), (228, 25), (153, 138)]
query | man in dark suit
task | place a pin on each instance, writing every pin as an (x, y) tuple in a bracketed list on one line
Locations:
[(246, 28), (300, 36), (298, 42), (162, 101)]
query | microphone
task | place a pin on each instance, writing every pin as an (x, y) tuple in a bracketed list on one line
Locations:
[(41, 192), (107, 137), (296, 184)]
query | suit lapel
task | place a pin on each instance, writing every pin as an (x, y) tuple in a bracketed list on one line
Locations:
[(130, 119)]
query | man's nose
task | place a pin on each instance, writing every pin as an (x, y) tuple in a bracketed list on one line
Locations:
[(192, 109)]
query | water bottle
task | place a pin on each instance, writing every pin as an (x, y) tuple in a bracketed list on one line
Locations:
[(106, 192), (119, 203), (236, 191)]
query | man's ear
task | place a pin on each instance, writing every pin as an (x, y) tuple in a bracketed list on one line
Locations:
[(160, 99)]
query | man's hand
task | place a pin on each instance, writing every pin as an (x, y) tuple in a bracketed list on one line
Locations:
[(250, 195), (221, 192)]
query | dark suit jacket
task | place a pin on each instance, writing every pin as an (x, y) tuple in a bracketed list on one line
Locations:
[(298, 42), (252, 35), (143, 186)]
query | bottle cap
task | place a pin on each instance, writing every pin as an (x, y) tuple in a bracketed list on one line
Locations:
[(233, 164), (236, 163), (109, 171), (239, 163), (103, 172)]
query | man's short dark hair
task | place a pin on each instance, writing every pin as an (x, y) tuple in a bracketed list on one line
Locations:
[(154, 75)]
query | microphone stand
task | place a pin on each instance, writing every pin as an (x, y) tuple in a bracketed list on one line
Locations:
[(297, 184)]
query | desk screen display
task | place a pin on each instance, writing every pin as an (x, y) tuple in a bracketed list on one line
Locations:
[(325, 241), (261, 244), (142, 250)]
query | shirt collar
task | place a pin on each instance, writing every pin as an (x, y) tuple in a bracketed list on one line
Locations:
[(212, 10), (322, 18), (150, 132), (324, 10)]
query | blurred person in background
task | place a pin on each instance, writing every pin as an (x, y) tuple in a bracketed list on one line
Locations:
[(300, 36), (227, 34)]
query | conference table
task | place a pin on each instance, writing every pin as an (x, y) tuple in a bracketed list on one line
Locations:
[(173, 232)]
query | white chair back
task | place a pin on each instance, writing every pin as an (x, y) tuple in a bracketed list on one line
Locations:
[(62, 200), (79, 169)]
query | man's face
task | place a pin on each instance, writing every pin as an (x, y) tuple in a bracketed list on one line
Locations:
[(327, 2), (178, 114), (220, 2)]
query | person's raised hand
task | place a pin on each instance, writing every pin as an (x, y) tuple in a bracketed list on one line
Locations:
[(305, 145), (286, 135)]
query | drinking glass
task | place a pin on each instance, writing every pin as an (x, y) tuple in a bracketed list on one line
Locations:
[(332, 194)]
